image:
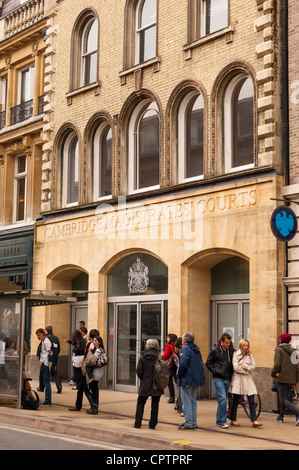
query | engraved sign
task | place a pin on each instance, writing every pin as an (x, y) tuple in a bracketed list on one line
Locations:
[(138, 279)]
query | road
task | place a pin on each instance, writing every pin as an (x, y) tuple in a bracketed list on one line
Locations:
[(18, 438)]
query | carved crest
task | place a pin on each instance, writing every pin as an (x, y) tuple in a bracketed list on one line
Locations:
[(138, 279)]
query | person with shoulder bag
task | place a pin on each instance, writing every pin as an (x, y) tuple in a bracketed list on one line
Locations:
[(242, 382)]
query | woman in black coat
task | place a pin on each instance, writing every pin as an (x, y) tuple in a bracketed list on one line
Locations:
[(145, 372)]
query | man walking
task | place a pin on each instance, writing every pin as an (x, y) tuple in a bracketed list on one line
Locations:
[(286, 372), (190, 376), (220, 364), (43, 352)]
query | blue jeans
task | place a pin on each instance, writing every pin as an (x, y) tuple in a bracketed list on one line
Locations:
[(46, 378), (188, 397), (222, 387)]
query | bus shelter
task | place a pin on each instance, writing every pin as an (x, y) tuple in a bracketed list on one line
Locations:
[(13, 307)]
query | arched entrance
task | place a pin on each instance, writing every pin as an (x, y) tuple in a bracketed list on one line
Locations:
[(137, 310), (65, 318), (230, 299)]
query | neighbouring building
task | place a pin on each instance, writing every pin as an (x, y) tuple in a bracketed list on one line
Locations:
[(162, 160), (291, 185), (22, 57)]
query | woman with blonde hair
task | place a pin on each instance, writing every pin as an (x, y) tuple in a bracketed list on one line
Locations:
[(242, 382)]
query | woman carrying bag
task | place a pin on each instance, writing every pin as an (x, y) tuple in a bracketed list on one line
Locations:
[(242, 382)]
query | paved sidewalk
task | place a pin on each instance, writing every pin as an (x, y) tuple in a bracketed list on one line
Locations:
[(115, 421)]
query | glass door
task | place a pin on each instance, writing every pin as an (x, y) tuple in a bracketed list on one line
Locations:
[(230, 316), (151, 323), (135, 323), (126, 346)]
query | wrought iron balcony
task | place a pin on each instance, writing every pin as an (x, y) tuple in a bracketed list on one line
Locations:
[(21, 112)]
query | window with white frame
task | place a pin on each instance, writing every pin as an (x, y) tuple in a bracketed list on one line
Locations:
[(214, 16), (26, 84), (102, 161), (70, 170), (239, 124), (20, 176), (144, 147), (191, 137), (89, 52), (146, 30)]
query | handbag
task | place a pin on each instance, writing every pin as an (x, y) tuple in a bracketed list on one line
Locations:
[(103, 359)]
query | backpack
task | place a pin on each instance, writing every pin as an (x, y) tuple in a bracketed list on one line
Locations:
[(28, 402), (161, 374), (55, 348)]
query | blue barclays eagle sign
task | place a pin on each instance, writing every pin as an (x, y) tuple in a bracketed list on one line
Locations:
[(283, 223)]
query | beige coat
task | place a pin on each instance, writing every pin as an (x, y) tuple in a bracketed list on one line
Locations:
[(242, 382)]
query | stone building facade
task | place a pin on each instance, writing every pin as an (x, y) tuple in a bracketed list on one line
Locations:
[(161, 163)]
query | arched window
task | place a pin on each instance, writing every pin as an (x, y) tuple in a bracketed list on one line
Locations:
[(191, 137), (146, 31), (84, 51), (102, 161), (70, 170), (239, 123), (89, 52), (144, 147)]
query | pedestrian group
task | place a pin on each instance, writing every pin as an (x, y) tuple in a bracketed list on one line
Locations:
[(231, 371)]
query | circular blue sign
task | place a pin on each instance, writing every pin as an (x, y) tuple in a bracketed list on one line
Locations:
[(284, 223)]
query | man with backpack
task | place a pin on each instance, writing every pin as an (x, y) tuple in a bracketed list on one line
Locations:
[(148, 387), (190, 376), (53, 359), (43, 353)]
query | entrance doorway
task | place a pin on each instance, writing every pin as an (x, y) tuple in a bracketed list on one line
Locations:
[(134, 323), (137, 310), (230, 314)]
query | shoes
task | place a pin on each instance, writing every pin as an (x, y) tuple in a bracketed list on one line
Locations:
[(40, 389), (74, 408), (137, 426), (223, 426), (256, 424), (279, 420), (152, 427), (72, 382), (92, 411), (75, 387), (59, 390), (235, 423), (185, 428), (297, 421), (45, 404), (171, 400)]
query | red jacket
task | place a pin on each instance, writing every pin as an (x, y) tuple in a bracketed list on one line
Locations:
[(169, 350)]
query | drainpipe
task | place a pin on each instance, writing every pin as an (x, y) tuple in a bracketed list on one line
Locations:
[(285, 118), (285, 87)]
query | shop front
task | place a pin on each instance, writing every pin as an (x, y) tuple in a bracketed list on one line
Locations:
[(16, 261)]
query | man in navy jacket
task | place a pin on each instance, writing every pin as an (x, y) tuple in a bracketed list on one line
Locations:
[(190, 376)]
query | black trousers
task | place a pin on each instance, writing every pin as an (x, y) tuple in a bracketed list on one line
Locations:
[(233, 411), (82, 388), (141, 401), (283, 393)]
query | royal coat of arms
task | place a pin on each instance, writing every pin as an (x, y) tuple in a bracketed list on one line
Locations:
[(138, 279)]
